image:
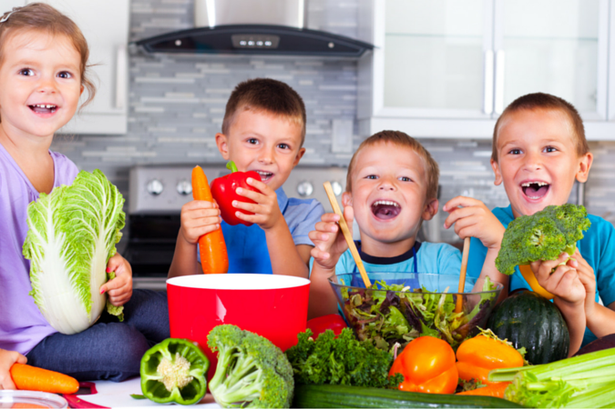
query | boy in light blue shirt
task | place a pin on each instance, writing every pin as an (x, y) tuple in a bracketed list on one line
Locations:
[(539, 150), (391, 188)]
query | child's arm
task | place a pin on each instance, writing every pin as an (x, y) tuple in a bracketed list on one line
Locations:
[(198, 217), (284, 255), (7, 359), (120, 288), (329, 245), (473, 219), (600, 319), (569, 293)]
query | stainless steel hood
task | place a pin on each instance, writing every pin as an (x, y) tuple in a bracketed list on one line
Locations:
[(264, 27)]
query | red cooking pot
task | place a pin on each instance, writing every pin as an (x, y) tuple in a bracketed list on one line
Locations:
[(273, 306)]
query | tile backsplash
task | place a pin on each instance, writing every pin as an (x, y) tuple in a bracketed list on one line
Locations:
[(177, 104)]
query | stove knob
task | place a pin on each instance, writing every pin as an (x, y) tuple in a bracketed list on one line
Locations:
[(184, 188), (337, 188), (305, 189), (155, 187)]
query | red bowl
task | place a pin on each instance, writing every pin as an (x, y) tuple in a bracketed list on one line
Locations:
[(273, 306)]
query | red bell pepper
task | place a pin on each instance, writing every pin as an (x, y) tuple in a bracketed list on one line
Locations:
[(223, 189), (333, 322)]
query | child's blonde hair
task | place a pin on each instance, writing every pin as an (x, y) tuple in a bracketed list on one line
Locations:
[(544, 101), (266, 94), (401, 139), (43, 18)]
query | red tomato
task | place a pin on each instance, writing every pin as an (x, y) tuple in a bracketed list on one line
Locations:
[(333, 322)]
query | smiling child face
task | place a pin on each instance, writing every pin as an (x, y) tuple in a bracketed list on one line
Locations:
[(538, 160), (389, 189)]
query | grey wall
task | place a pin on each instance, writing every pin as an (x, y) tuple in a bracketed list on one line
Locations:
[(177, 104)]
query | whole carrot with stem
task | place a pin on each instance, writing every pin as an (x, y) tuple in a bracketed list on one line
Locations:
[(31, 378), (214, 258)]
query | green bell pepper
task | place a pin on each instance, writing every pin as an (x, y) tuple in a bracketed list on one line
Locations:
[(174, 371)]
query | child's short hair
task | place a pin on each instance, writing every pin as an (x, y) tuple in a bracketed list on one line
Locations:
[(269, 95), (401, 139), (43, 18), (541, 100)]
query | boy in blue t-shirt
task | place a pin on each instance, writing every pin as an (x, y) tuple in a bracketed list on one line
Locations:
[(391, 188), (263, 131), (539, 150)]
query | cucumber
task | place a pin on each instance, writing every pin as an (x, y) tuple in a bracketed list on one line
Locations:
[(344, 396)]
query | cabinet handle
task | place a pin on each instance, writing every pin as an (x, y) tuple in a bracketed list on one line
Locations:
[(121, 77), (488, 86), (499, 81)]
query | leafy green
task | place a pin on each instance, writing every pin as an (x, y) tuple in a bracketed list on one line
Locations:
[(343, 360), (388, 314), (72, 235), (251, 371), (542, 236)]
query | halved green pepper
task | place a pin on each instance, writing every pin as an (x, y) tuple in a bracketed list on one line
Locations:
[(174, 371)]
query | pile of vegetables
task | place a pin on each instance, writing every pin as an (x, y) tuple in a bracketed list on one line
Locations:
[(542, 236), (585, 381), (72, 236), (386, 315)]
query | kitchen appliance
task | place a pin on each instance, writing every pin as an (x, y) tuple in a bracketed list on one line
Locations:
[(267, 27), (273, 306), (157, 194)]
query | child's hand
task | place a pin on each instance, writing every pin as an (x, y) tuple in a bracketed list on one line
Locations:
[(588, 279), (120, 288), (7, 359), (329, 242), (473, 219), (564, 282), (198, 217), (266, 210)]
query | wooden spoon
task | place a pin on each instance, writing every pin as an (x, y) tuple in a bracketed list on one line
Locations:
[(462, 274)]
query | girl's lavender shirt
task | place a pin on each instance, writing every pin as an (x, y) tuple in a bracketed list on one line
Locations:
[(22, 326)]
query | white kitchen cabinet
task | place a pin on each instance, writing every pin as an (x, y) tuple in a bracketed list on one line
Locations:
[(447, 68), (105, 24)]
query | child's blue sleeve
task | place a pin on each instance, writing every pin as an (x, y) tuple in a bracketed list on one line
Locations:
[(301, 217), (603, 259)]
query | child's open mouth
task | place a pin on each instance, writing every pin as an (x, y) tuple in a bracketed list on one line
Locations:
[(385, 209), (43, 108), (535, 190), (265, 176)]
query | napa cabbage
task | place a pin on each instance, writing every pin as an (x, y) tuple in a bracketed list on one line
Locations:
[(72, 235)]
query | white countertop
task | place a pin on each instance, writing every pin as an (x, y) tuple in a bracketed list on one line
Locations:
[(117, 395)]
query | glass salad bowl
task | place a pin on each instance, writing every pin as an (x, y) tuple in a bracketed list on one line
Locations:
[(400, 307)]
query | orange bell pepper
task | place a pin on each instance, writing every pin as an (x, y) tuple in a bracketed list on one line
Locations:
[(494, 389), (428, 365), (479, 355)]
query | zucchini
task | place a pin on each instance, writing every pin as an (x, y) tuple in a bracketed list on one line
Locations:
[(345, 396)]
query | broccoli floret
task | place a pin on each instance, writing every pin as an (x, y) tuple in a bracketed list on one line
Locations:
[(542, 236), (251, 371)]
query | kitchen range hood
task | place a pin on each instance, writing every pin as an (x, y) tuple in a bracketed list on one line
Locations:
[(264, 27)]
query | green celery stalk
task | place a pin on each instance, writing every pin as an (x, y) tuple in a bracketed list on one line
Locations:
[(583, 381)]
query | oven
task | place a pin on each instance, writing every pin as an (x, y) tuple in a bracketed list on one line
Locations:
[(156, 195)]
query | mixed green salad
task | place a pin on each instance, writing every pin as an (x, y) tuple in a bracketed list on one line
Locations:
[(389, 314)]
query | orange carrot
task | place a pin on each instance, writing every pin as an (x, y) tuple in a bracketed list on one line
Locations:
[(31, 378), (495, 390), (214, 258)]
